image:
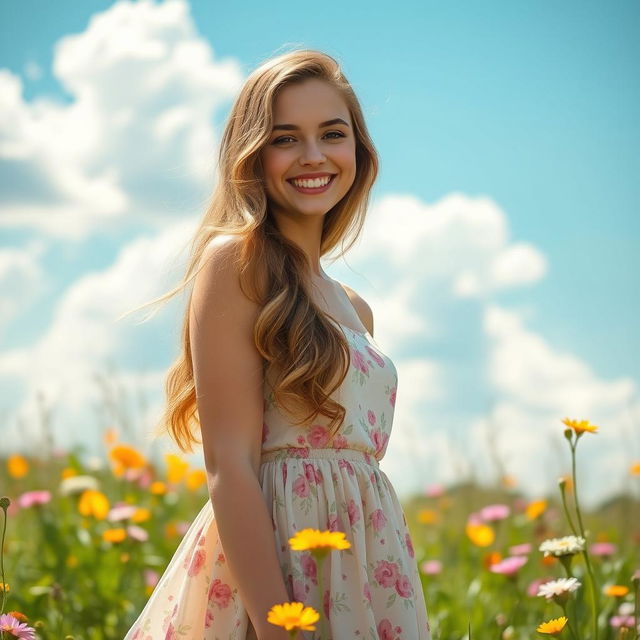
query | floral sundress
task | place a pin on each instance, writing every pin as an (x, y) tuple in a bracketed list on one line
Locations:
[(372, 590)]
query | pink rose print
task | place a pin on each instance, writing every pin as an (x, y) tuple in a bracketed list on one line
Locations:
[(403, 586), (386, 573), (318, 437), (171, 633), (197, 562), (371, 417), (367, 592), (299, 590), (339, 442), (301, 487), (379, 440), (309, 567), (313, 475), (345, 464), (392, 397), (386, 631), (284, 473), (219, 593), (326, 605), (375, 356), (299, 452), (332, 522), (208, 618), (301, 441), (354, 512), (358, 361), (378, 519), (409, 543)]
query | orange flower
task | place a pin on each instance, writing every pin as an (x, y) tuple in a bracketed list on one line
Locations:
[(428, 516), (114, 535), (68, 472), (553, 627), (580, 426), (110, 436), (535, 508), (158, 488), (195, 479), (18, 616), (482, 535), (508, 481), (142, 514), (634, 469), (176, 468), (616, 590), (17, 466), (127, 457), (93, 503), (491, 558)]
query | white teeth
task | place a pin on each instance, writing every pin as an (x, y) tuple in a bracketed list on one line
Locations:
[(311, 184)]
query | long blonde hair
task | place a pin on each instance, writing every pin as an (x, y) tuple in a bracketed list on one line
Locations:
[(311, 353)]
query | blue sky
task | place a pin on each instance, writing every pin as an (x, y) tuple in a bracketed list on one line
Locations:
[(507, 291)]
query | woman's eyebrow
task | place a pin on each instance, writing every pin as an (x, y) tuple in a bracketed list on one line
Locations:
[(293, 127)]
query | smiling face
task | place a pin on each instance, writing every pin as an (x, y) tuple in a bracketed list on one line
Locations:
[(309, 144)]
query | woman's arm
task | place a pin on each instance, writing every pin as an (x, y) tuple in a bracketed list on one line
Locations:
[(228, 376)]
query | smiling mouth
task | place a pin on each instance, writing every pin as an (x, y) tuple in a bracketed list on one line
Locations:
[(312, 190)]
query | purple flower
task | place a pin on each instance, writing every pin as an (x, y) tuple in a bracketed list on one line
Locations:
[(16, 628)]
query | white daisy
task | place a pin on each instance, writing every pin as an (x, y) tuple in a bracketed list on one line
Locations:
[(558, 587), (562, 546)]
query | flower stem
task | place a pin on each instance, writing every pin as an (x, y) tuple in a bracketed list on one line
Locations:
[(319, 563), (571, 629), (592, 582)]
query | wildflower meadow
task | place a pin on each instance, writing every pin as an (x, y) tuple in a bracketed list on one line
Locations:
[(83, 546)]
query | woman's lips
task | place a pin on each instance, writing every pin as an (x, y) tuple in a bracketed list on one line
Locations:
[(312, 190)]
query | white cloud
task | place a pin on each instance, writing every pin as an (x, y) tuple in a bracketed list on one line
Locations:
[(135, 145)]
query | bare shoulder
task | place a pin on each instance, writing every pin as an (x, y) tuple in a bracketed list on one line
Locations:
[(361, 306)]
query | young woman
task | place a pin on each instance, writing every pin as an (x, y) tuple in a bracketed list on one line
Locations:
[(280, 373)]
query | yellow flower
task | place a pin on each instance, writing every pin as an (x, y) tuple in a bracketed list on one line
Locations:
[(553, 627), (142, 514), (482, 535), (508, 481), (428, 516), (4, 586), (293, 615), (535, 508), (72, 561), (307, 539), (68, 472), (580, 426), (177, 468), (93, 503), (634, 469), (158, 488), (17, 466), (110, 436), (195, 479), (127, 457), (114, 535), (616, 590)]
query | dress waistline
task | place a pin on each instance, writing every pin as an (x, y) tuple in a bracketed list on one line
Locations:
[(329, 453)]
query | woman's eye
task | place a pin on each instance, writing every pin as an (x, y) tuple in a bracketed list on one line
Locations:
[(284, 138)]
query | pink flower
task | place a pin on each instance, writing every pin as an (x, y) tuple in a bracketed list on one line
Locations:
[(603, 548), (371, 417), (378, 519), (403, 586), (367, 592), (494, 512), (301, 486), (431, 567), (386, 630), (379, 440), (532, 589), (16, 628), (332, 522), (197, 562), (313, 475), (219, 593), (31, 498), (409, 543), (121, 511), (151, 577), (508, 566), (520, 549), (358, 361), (434, 490), (354, 512), (622, 621), (386, 573), (309, 567), (137, 533), (318, 437), (345, 464), (375, 356)]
